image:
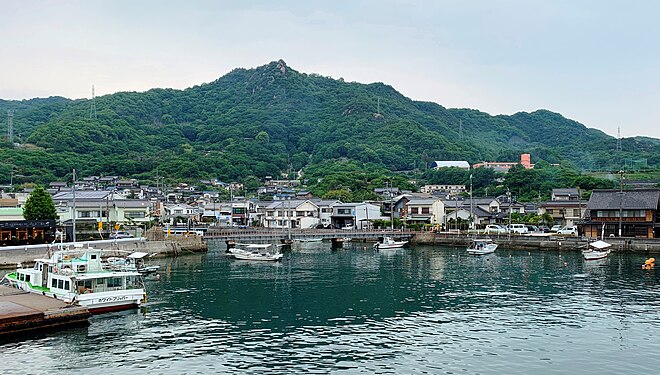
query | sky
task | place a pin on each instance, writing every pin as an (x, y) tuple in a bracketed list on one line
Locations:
[(597, 62)]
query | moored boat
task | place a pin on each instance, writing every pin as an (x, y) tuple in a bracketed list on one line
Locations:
[(257, 252), (389, 243), (597, 250), (132, 262), (481, 247), (78, 277)]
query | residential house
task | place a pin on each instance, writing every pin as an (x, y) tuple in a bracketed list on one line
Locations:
[(446, 189), (325, 210), (292, 214), (627, 213), (565, 207), (174, 213), (93, 206), (424, 211), (356, 215)]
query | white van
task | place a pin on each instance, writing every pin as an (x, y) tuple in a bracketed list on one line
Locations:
[(517, 229)]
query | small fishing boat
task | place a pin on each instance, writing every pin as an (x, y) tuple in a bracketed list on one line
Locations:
[(306, 240), (78, 277), (597, 250), (257, 252), (389, 243), (132, 262), (481, 247)]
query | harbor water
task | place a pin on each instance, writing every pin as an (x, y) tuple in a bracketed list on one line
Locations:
[(420, 310)]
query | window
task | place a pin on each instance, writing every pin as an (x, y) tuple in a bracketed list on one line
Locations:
[(66, 285), (53, 283), (576, 212), (114, 282), (550, 211), (134, 214), (425, 210), (60, 284)]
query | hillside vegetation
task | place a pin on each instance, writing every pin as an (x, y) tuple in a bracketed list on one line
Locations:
[(270, 120)]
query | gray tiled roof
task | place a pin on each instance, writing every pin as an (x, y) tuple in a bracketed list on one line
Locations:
[(646, 199)]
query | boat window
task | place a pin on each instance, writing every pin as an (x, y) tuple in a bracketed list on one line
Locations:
[(36, 266), (66, 285), (92, 256), (53, 283), (60, 284), (114, 282), (27, 278), (21, 277), (99, 281)]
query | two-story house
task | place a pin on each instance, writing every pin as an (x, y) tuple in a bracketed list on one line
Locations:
[(627, 213), (424, 211), (565, 206), (291, 214), (355, 215)]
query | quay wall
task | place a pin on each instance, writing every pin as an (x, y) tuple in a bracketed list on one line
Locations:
[(641, 245), (10, 256)]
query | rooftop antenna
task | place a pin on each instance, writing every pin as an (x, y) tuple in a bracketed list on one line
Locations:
[(92, 108), (618, 139), (10, 126)]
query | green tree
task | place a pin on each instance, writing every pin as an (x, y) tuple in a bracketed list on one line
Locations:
[(39, 205)]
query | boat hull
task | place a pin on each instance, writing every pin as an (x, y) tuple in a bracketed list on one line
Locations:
[(595, 255)]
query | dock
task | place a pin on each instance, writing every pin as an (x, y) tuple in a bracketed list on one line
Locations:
[(21, 311)]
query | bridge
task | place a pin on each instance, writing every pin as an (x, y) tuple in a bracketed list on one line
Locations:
[(270, 235)]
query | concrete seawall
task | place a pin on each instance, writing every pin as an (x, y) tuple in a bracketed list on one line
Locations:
[(641, 245), (170, 246)]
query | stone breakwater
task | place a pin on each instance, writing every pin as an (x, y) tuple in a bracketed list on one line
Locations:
[(10, 256), (641, 245)]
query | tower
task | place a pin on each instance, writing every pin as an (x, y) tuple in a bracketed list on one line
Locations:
[(92, 108), (618, 139), (10, 126)]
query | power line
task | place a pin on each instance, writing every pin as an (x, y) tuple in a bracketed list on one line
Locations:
[(10, 126)]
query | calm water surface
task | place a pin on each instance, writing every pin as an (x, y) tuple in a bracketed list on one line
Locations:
[(421, 310)]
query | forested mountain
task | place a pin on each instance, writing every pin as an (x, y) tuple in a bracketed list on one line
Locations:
[(272, 119)]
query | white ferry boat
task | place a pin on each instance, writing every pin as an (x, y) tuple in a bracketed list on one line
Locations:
[(78, 277)]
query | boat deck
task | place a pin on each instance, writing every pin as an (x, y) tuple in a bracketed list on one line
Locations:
[(21, 311)]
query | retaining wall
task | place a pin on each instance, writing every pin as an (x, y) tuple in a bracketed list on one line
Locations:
[(10, 256)]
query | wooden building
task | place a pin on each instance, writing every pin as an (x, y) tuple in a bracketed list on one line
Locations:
[(634, 211)]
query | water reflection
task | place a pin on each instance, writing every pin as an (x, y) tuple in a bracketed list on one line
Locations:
[(423, 309)]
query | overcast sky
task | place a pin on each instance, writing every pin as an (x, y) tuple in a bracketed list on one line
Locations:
[(597, 62)]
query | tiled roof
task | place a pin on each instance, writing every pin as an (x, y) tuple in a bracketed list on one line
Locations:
[(646, 199)]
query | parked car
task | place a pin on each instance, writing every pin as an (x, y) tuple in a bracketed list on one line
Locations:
[(120, 234), (544, 228), (555, 228), (348, 227), (495, 229), (569, 230), (517, 229), (532, 228)]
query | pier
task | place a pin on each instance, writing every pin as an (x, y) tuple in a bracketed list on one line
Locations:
[(21, 311), (278, 235)]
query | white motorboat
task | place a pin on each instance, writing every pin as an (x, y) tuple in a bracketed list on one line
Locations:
[(481, 247), (132, 262), (389, 243), (78, 277), (258, 252), (597, 250)]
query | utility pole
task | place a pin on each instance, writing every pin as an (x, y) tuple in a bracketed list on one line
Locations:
[(73, 190), (621, 203), (508, 195)]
